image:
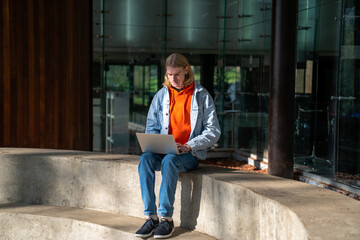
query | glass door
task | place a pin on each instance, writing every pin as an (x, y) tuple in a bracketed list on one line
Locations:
[(347, 99), (316, 77)]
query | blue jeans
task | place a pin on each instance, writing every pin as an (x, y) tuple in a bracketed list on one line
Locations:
[(170, 166)]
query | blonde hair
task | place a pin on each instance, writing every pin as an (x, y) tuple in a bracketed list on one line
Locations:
[(178, 60)]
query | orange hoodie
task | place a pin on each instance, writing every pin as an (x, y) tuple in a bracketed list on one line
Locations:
[(180, 108)]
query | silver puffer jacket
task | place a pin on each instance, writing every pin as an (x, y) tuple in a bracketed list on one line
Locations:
[(205, 129)]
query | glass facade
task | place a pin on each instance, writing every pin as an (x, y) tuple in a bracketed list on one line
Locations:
[(227, 42), (327, 90)]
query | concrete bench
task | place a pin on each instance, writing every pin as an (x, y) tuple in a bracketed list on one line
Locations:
[(222, 203)]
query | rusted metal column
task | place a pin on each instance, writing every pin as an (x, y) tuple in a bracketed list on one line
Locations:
[(282, 88)]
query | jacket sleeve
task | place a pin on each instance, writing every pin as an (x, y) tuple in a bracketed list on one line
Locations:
[(152, 121), (210, 132)]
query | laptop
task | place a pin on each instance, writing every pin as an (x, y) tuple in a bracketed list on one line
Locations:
[(157, 143)]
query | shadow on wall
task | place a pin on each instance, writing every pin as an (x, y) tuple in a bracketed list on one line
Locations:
[(33, 179), (190, 200), (24, 185)]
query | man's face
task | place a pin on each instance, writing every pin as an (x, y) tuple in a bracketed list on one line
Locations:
[(176, 76)]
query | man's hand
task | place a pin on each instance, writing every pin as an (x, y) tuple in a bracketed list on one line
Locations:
[(183, 148)]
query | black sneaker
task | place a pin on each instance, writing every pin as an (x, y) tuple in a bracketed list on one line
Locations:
[(148, 228), (165, 229)]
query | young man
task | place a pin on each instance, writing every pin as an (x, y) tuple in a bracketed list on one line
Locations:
[(186, 110)]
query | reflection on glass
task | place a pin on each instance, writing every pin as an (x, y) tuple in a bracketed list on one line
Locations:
[(316, 68), (347, 99), (327, 90)]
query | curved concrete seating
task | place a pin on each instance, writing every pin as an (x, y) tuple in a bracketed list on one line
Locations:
[(223, 203)]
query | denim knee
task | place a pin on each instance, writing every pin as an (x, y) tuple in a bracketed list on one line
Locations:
[(148, 160), (169, 161)]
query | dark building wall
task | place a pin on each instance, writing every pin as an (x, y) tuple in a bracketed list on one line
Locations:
[(45, 74)]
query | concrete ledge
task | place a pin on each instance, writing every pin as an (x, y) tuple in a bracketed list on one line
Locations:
[(51, 222), (223, 203)]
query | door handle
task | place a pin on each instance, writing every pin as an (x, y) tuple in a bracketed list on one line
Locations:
[(342, 98)]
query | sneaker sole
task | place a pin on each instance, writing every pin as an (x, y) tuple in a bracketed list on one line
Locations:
[(164, 236), (145, 235)]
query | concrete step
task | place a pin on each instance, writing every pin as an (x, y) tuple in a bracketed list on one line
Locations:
[(53, 222)]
